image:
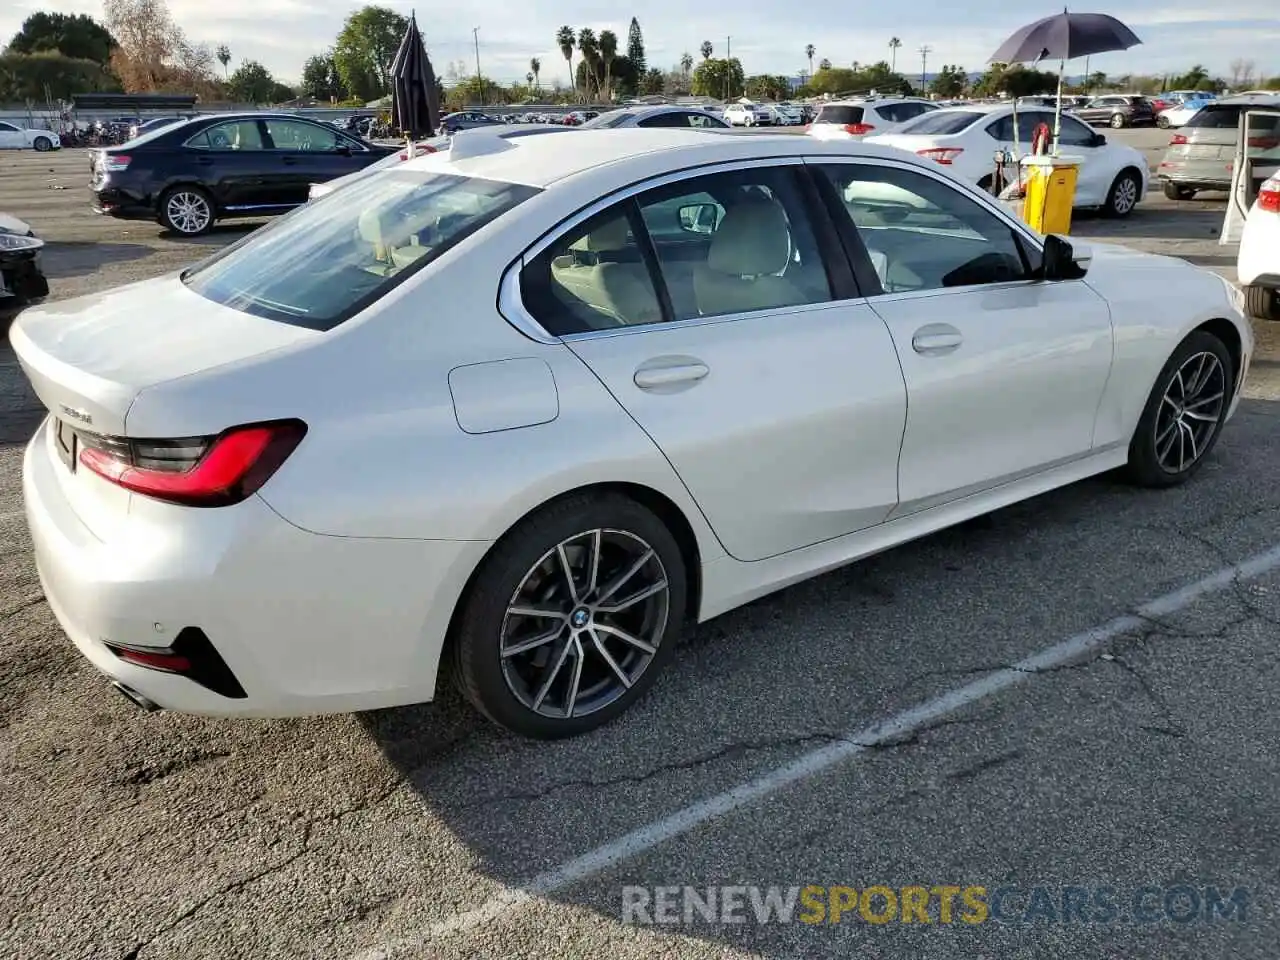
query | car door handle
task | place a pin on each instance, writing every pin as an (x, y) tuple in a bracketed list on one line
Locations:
[(669, 371), (290, 161), (936, 338)]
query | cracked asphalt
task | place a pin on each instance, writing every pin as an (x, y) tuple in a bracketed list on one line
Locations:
[(1152, 761)]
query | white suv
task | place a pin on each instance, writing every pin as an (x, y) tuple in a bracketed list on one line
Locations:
[(855, 119), (1258, 267), (747, 115)]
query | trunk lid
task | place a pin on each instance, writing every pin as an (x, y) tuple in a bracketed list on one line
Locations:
[(88, 358)]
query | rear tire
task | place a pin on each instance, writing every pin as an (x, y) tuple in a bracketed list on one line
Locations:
[(1262, 303), (1124, 194), (1175, 192), (566, 678), (187, 211), (42, 144), (1118, 121), (1162, 123), (1175, 436)]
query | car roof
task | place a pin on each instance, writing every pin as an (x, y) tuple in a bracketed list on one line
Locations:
[(543, 161), (1265, 99)]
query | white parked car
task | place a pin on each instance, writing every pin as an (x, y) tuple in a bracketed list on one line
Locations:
[(1258, 263), (747, 115), (1178, 116), (538, 408), (785, 114), (855, 119), (14, 137), (965, 140)]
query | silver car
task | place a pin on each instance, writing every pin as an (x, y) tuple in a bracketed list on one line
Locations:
[(1201, 153), (659, 116)]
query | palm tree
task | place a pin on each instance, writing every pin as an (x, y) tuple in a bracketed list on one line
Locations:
[(894, 44), (589, 47), (686, 64), (856, 66), (824, 64), (565, 41), (706, 49), (809, 51), (224, 58), (535, 67), (608, 50)]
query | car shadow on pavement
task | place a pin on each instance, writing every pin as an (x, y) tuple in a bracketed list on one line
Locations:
[(754, 689), (63, 258)]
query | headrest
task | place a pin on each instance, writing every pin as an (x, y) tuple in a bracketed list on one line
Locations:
[(753, 240), (608, 236)]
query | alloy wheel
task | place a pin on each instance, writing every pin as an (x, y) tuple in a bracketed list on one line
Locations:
[(188, 212), (584, 624), (1125, 195), (1190, 412)]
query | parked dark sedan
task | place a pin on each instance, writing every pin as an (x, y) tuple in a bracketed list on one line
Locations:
[(466, 120), (190, 175), (1118, 110)]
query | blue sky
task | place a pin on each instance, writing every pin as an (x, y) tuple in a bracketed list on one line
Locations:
[(768, 37)]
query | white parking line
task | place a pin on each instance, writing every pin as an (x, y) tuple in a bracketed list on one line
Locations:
[(816, 761)]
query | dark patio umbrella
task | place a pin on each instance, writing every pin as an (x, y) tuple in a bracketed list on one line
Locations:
[(415, 103), (1063, 37)]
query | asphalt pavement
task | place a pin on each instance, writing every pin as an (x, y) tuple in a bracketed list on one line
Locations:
[(1073, 694)]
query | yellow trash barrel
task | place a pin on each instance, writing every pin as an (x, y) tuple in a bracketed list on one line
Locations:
[(1050, 192)]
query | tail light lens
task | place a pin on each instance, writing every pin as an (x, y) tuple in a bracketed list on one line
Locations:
[(1269, 196), (859, 129), (115, 162), (1264, 143), (942, 155), (1177, 140), (421, 150), (196, 471)]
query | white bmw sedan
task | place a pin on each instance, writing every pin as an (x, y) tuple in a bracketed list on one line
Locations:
[(538, 407)]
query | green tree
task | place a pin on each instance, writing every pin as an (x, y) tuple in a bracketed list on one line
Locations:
[(608, 54), (635, 48), (1192, 79), (251, 83), (32, 76), (717, 77), (1016, 81), (1095, 81), (566, 40), (320, 79), (706, 49), (949, 81), (280, 92), (686, 64), (589, 67), (825, 64), (894, 44), (535, 68), (75, 36), (223, 53), (766, 87), (365, 48), (654, 81), (809, 51)]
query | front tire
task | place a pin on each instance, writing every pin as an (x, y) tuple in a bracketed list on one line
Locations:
[(1184, 413), (1124, 194), (1162, 123), (571, 617), (42, 144), (186, 211), (1262, 303)]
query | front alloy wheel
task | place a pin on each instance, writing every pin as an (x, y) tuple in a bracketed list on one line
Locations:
[(572, 616), (1184, 413)]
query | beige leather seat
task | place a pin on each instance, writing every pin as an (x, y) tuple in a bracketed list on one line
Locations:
[(621, 293), (748, 252)]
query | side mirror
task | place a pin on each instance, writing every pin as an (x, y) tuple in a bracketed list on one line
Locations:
[(343, 150), (700, 218), (1099, 140), (1062, 261)]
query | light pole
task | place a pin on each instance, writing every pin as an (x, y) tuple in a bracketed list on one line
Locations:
[(728, 57), (475, 32), (924, 65)]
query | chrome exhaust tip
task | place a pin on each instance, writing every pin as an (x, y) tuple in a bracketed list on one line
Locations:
[(134, 697)]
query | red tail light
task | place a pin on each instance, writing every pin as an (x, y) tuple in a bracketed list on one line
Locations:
[(942, 155), (115, 161), (159, 658), (1269, 196), (1264, 143), (858, 129), (1177, 140), (198, 471), (421, 150)]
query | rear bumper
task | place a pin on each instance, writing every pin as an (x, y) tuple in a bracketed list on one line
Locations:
[(123, 204), (307, 624)]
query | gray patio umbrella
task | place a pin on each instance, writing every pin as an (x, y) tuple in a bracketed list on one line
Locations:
[(415, 103), (1062, 37)]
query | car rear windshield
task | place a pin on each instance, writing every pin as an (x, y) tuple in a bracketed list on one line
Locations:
[(325, 262), (1215, 115), (611, 119), (941, 122), (840, 113)]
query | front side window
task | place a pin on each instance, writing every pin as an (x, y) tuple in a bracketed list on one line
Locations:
[(1073, 133), (234, 135), (921, 234), (703, 121), (7, 127), (297, 135), (325, 262)]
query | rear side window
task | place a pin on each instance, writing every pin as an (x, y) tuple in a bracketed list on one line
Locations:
[(323, 263), (1216, 117), (841, 114), (942, 122), (609, 120)]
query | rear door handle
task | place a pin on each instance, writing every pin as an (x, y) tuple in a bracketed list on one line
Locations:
[(669, 372), (936, 338)]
